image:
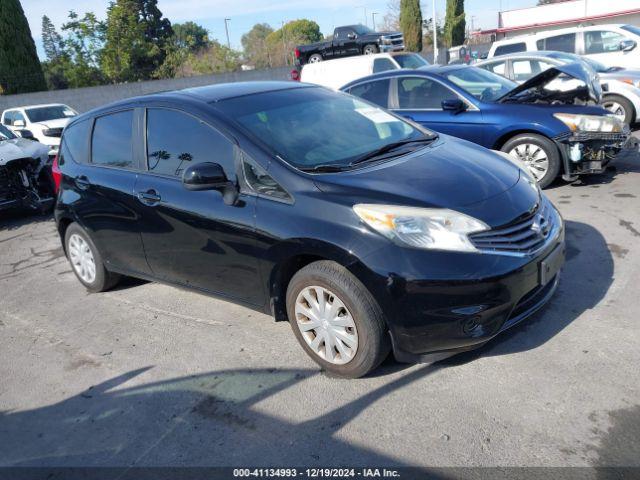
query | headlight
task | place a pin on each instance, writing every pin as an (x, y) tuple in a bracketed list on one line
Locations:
[(631, 81), (429, 228), (591, 123)]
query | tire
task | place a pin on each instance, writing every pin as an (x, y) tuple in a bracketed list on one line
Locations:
[(315, 58), (102, 279), (523, 148), (620, 106), (370, 49), (339, 289)]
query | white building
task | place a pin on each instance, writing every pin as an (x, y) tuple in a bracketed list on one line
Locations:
[(522, 21)]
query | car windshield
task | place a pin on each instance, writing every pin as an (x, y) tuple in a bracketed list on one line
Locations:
[(312, 127), (53, 112), (362, 30), (6, 134), (411, 60), (483, 85), (631, 28)]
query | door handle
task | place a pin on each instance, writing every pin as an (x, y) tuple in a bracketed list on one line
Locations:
[(82, 182), (150, 197)]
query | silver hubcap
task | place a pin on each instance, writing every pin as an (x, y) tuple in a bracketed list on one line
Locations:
[(314, 59), (615, 108), (533, 157), (81, 258), (326, 325)]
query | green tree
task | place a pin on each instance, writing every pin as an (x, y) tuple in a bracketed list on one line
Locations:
[(411, 24), (136, 40), (51, 39), (283, 41), (216, 58), (82, 50), (20, 69), (254, 44), (190, 35), (454, 23)]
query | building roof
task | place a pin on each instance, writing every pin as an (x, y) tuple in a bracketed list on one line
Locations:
[(562, 13)]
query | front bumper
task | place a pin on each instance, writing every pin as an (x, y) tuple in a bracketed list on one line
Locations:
[(391, 48), (589, 152), (482, 295)]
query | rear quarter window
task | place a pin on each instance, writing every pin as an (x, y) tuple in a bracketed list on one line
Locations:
[(75, 143), (111, 145), (510, 48)]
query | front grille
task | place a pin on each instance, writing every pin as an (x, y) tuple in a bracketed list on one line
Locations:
[(523, 237)]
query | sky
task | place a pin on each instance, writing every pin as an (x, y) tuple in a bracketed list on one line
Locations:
[(243, 14)]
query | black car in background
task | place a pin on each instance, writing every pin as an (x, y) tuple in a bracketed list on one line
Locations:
[(365, 231), (348, 41)]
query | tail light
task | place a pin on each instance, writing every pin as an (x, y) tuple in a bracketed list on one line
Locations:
[(56, 173), (295, 75), (297, 53)]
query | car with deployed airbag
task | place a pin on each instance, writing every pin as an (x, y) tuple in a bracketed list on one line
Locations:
[(552, 132), (366, 232)]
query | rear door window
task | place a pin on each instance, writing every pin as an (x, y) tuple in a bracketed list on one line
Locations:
[(176, 140), (525, 69), (510, 48), (559, 43), (375, 92), (498, 68), (111, 145)]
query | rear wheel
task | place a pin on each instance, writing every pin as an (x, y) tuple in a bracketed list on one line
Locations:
[(315, 58), (538, 154), (370, 49), (86, 261), (336, 320), (619, 106)]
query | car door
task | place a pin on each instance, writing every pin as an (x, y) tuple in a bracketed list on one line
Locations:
[(103, 178), (192, 237), (420, 99)]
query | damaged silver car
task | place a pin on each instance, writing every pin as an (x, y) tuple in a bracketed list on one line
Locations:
[(25, 174)]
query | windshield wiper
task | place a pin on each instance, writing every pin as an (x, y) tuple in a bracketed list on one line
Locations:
[(325, 168), (390, 147)]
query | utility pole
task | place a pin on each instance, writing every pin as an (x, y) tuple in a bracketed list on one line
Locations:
[(435, 33), (373, 20), (226, 29), (284, 45)]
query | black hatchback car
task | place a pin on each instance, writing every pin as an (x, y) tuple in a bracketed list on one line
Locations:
[(367, 232)]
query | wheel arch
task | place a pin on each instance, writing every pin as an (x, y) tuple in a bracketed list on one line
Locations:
[(288, 258), (506, 136)]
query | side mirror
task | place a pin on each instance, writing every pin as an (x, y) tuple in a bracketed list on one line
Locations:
[(18, 123), (454, 105), (28, 134), (627, 45), (210, 176), (351, 36)]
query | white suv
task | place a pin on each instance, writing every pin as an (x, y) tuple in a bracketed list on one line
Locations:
[(45, 122), (612, 44)]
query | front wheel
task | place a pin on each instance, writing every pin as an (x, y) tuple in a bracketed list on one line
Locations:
[(620, 107), (86, 261), (370, 50), (315, 58), (336, 320), (538, 154)]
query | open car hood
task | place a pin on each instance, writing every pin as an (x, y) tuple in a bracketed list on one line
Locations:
[(534, 91)]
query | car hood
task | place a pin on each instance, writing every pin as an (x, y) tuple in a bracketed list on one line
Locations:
[(54, 123), (450, 173), (533, 90), (21, 148)]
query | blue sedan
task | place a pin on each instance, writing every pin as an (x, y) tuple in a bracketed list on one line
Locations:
[(550, 131)]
